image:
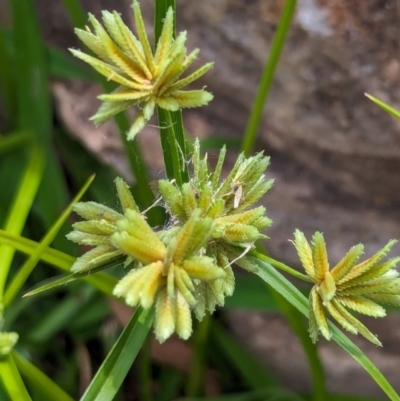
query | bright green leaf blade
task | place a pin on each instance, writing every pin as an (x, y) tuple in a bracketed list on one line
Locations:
[(277, 281), (21, 205), (23, 273), (102, 281), (37, 379), (51, 256), (115, 367), (56, 282), (267, 76), (383, 105), (12, 381)]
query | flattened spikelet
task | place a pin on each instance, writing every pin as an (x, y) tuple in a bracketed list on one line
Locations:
[(348, 262), (304, 251)]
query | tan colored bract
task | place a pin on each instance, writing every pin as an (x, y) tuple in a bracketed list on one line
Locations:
[(359, 287), (145, 79)]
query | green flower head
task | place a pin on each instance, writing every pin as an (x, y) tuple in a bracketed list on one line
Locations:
[(359, 287), (145, 78)]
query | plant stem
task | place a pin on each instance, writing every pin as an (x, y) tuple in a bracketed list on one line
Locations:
[(173, 140), (296, 322), (267, 76), (196, 377), (283, 267)]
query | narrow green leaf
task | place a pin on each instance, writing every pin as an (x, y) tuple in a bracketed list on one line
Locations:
[(34, 105), (102, 281), (51, 256), (21, 205), (7, 80), (14, 141), (267, 76), (115, 367), (76, 12), (279, 283), (57, 282), (38, 380), (23, 273), (383, 105), (12, 381)]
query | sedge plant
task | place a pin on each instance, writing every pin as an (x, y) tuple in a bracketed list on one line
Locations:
[(185, 267)]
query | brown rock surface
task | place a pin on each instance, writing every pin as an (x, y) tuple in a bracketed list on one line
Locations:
[(335, 156)]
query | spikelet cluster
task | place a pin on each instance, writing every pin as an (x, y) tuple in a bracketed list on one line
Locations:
[(96, 231), (186, 266), (228, 203), (359, 287), (145, 78)]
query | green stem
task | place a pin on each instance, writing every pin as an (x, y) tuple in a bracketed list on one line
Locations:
[(145, 196), (39, 380), (172, 156), (196, 377), (138, 167), (295, 320), (12, 381), (267, 76), (145, 381), (173, 138), (283, 267)]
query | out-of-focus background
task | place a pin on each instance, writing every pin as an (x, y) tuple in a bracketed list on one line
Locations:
[(335, 155)]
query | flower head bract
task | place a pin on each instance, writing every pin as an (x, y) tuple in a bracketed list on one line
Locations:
[(145, 78)]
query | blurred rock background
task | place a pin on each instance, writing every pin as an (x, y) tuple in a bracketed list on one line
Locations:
[(335, 155)]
